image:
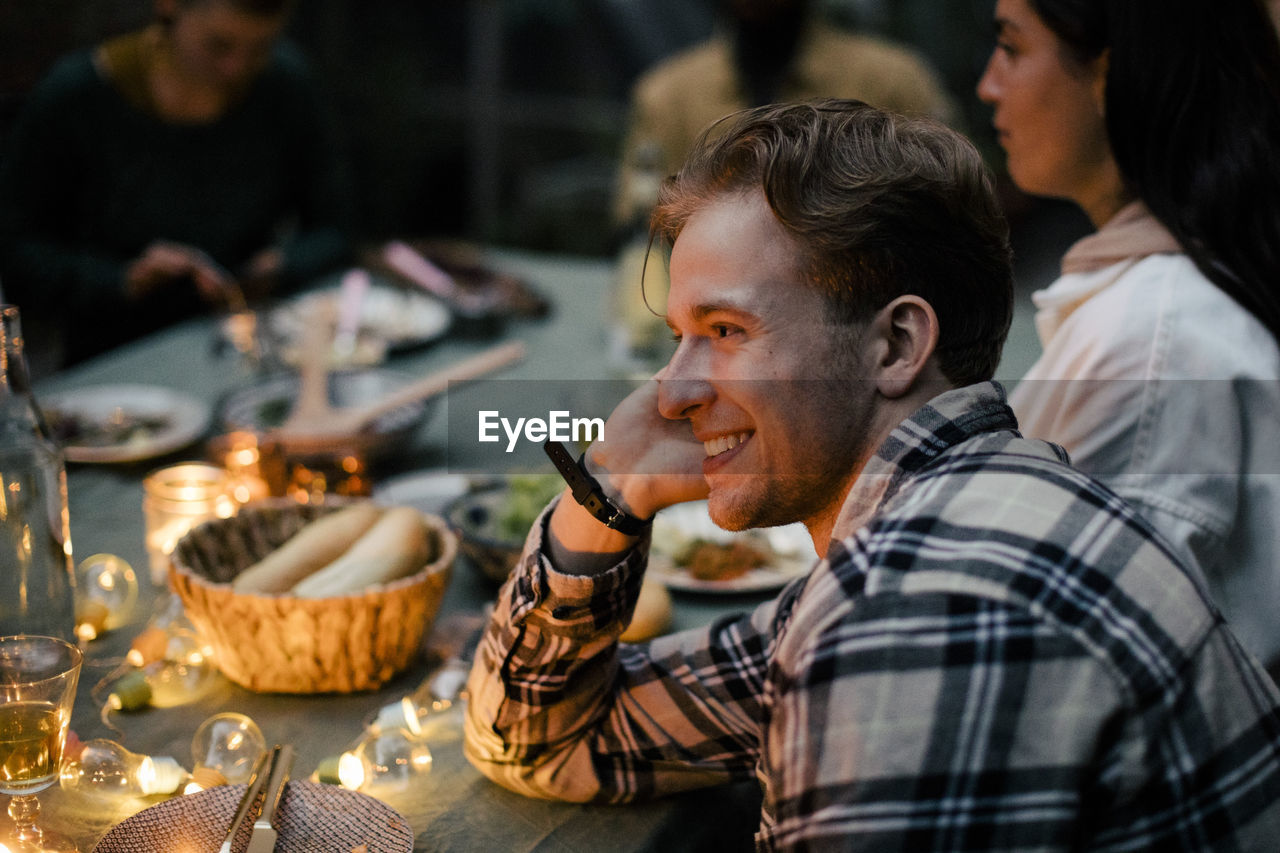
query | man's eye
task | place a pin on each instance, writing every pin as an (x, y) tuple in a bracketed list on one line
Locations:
[(721, 330)]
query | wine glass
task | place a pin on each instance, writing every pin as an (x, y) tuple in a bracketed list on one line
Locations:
[(38, 678)]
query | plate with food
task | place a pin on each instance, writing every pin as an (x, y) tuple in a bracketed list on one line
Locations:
[(457, 274), (391, 320), (691, 553), (430, 490), (123, 423)]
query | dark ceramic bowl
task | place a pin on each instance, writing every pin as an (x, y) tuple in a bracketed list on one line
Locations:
[(474, 518), (266, 404)]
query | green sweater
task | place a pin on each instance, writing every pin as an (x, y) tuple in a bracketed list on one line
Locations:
[(90, 179)]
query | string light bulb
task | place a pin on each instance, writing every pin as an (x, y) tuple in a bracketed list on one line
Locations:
[(224, 750), (435, 695), (168, 620), (382, 760), (106, 593), (104, 769), (180, 675)]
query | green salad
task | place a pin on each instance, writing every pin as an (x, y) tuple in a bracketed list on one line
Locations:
[(526, 496)]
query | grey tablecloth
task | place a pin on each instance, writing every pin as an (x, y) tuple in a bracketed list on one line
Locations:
[(453, 808)]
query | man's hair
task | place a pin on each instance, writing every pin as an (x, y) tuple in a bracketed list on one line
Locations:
[(880, 205)]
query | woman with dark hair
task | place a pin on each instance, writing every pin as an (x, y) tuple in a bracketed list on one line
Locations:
[(1160, 366), (143, 170)]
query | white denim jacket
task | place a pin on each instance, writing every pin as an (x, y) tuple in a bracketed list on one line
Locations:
[(1164, 387)]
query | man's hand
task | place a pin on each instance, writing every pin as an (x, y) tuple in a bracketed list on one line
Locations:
[(645, 462), (164, 264)]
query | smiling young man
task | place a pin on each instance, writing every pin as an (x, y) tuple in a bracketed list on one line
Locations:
[(994, 652)]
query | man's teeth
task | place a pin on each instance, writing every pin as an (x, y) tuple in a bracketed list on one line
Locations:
[(719, 445)]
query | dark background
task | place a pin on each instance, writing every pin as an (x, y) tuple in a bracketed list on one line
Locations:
[(494, 120)]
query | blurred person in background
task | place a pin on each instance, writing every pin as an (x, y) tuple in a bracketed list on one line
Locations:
[(1160, 364), (763, 51), (167, 171)]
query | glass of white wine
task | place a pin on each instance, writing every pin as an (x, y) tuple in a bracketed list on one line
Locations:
[(38, 677)]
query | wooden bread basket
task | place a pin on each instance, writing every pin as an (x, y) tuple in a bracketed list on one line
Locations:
[(286, 644)]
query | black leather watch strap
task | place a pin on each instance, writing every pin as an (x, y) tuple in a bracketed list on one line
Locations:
[(587, 492)]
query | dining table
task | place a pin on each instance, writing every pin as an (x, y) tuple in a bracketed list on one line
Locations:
[(452, 807)]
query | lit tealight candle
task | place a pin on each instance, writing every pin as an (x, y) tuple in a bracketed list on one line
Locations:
[(178, 498)]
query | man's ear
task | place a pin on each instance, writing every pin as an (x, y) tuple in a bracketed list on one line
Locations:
[(905, 334)]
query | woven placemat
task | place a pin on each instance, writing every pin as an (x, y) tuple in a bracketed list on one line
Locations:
[(312, 818)]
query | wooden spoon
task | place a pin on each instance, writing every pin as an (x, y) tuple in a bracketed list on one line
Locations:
[(312, 406), (309, 421)]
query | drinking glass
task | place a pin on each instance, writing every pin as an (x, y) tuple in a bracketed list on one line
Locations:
[(38, 678)]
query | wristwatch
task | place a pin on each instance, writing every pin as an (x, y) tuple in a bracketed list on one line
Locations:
[(587, 492)]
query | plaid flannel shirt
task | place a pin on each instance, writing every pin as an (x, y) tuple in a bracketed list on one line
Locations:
[(999, 655)]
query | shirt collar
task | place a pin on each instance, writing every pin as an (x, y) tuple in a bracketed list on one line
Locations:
[(944, 422)]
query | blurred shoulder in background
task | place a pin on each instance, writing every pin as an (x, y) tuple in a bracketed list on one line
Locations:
[(763, 51)]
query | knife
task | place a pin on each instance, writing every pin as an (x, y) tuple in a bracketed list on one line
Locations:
[(259, 778), (263, 839)]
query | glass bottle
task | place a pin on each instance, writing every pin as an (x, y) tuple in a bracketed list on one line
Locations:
[(37, 575)]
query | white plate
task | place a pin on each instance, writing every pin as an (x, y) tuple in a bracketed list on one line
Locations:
[(675, 527), (186, 419), (390, 319), (429, 491)]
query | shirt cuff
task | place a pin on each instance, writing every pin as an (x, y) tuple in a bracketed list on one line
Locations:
[(573, 603)]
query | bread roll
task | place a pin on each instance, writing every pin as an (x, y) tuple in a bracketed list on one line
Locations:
[(395, 546), (316, 545)]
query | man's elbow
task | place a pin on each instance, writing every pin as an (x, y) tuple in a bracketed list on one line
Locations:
[(547, 774)]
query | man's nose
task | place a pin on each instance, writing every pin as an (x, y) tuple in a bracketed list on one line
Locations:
[(684, 384)]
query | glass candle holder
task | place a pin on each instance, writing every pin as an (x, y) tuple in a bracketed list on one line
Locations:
[(254, 463), (178, 498), (311, 478)]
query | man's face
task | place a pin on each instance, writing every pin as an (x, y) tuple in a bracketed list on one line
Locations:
[(221, 45), (768, 383)]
